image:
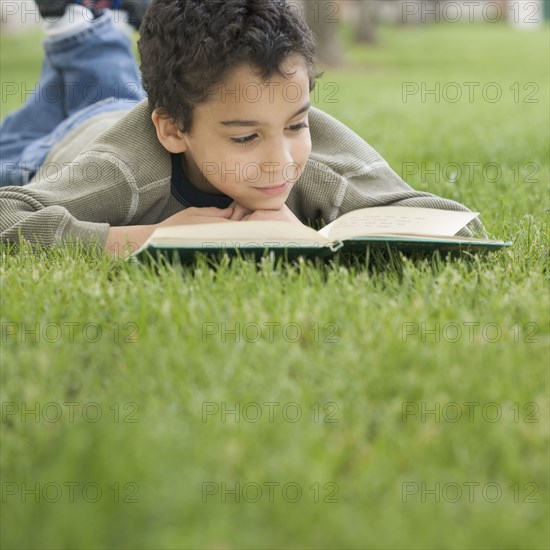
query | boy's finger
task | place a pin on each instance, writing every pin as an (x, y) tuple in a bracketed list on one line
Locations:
[(216, 212), (238, 213), (216, 220)]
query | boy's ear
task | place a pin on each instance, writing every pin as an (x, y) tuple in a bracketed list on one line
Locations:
[(168, 133)]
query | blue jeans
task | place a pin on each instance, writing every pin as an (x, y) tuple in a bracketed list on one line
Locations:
[(84, 74)]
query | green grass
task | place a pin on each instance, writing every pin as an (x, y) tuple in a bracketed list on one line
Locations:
[(354, 362)]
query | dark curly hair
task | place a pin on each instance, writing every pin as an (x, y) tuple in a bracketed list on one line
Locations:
[(188, 47)]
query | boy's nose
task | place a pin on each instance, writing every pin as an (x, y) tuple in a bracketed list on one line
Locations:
[(276, 159)]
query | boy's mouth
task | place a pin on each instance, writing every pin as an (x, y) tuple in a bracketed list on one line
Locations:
[(274, 189)]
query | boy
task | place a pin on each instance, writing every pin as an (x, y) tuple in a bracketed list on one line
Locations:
[(227, 132)]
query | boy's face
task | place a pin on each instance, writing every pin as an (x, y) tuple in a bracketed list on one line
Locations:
[(251, 139)]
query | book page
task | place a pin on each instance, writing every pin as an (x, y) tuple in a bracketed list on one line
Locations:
[(397, 220), (242, 234)]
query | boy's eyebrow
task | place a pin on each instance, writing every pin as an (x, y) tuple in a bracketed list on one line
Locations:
[(257, 123)]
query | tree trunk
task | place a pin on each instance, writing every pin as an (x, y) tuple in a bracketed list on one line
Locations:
[(323, 18), (368, 16)]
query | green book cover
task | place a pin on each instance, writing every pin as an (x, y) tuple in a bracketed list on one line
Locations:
[(411, 230)]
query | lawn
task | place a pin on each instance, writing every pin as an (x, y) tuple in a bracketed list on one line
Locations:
[(306, 406)]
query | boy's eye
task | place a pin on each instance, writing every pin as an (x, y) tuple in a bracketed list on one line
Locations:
[(297, 127), (249, 139), (244, 140)]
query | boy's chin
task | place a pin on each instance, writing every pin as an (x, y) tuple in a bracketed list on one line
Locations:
[(273, 203), (264, 202)]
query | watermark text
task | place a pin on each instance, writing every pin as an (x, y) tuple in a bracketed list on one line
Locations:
[(269, 491), (269, 411), (251, 333)]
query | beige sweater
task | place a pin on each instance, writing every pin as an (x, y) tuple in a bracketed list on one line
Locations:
[(123, 178)]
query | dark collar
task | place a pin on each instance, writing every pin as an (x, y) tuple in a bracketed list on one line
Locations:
[(186, 193)]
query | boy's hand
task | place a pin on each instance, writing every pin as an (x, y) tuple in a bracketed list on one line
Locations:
[(282, 215), (194, 215), (239, 211)]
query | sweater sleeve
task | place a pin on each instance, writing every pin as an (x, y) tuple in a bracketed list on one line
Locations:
[(79, 202), (344, 173)]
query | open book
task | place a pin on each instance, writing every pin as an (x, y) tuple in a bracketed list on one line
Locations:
[(398, 227)]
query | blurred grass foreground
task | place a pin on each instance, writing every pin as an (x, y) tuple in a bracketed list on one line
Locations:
[(306, 406)]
